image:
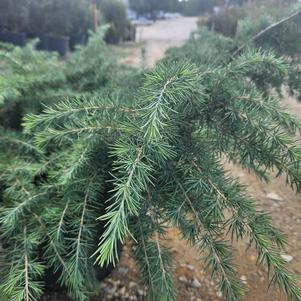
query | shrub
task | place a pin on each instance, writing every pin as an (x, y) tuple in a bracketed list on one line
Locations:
[(204, 48), (225, 22), (284, 40), (141, 164), (114, 13), (38, 17), (88, 69), (81, 18), (27, 77), (67, 17), (196, 7), (139, 154)]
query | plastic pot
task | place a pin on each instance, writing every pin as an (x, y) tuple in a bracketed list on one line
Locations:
[(79, 39), (58, 44), (43, 41), (18, 39)]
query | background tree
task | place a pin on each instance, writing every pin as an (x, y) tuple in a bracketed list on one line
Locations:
[(197, 7), (144, 6), (13, 15), (114, 13)]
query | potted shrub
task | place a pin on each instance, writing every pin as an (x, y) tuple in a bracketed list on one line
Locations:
[(50, 21), (80, 23), (114, 12), (130, 32), (59, 26), (38, 22)]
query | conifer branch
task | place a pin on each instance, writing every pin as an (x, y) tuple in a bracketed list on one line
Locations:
[(147, 261), (61, 222), (72, 108), (15, 142), (58, 136), (264, 235), (126, 202), (157, 238), (52, 244), (154, 260), (219, 258), (10, 215), (26, 267)]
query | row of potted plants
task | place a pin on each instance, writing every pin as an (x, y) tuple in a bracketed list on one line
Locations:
[(55, 22), (49, 42), (61, 24)]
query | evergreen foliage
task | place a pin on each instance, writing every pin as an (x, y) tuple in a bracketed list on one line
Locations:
[(26, 76), (46, 16), (139, 160), (283, 40), (114, 13)]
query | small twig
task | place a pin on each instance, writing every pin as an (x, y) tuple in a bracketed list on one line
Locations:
[(264, 31)]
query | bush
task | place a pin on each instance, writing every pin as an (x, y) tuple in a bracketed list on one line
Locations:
[(281, 40), (204, 47), (27, 78), (69, 17), (196, 7), (81, 18), (114, 13), (225, 22), (58, 17), (38, 17), (31, 79), (141, 164), (284, 40), (138, 154)]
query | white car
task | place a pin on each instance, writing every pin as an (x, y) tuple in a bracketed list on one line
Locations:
[(172, 15), (142, 21)]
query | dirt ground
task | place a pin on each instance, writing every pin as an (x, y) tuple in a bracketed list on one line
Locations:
[(192, 281), (154, 40)]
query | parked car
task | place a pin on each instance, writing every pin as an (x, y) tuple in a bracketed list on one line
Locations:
[(169, 15), (142, 21)]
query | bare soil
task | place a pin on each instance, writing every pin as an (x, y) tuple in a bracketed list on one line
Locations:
[(192, 281), (154, 40)]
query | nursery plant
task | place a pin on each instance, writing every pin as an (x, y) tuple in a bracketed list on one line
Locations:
[(136, 154), (26, 77), (114, 13)]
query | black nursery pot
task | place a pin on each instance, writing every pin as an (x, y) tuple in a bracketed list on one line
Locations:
[(18, 39), (79, 39), (58, 44), (43, 41)]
